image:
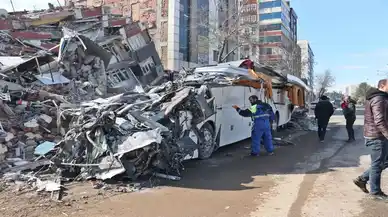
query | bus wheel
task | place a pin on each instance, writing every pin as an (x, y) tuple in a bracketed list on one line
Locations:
[(208, 144)]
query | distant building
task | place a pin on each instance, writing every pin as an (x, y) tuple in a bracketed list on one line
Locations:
[(307, 62), (350, 90), (278, 36), (179, 39)]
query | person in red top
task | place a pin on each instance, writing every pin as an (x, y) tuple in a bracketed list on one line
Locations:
[(349, 110)]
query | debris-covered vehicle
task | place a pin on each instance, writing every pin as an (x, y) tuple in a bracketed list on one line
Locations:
[(88, 115), (135, 133)]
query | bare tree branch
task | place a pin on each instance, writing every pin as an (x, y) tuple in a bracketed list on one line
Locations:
[(228, 26), (288, 59), (324, 81)]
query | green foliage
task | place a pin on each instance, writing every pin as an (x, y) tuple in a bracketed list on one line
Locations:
[(361, 91), (335, 95)]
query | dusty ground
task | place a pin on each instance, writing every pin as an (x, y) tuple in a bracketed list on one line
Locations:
[(226, 184), (309, 179)]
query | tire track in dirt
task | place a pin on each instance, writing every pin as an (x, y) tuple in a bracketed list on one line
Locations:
[(311, 177), (290, 194)]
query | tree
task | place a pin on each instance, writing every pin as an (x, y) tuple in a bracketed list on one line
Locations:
[(323, 82), (335, 95), (361, 91), (230, 26), (291, 61)]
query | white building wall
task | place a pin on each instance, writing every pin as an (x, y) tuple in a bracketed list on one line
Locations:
[(173, 60), (306, 61)]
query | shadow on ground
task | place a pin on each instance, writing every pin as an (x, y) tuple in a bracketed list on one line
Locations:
[(230, 167)]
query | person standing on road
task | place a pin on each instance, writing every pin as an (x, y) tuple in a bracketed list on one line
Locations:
[(323, 111), (376, 139), (349, 111), (262, 115)]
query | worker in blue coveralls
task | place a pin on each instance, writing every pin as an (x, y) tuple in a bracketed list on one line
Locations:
[(262, 115)]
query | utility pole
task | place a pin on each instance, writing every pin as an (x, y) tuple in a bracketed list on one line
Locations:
[(13, 8)]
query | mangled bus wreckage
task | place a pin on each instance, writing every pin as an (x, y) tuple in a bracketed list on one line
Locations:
[(152, 129), (135, 134)]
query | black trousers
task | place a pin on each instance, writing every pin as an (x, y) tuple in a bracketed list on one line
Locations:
[(349, 127), (322, 125)]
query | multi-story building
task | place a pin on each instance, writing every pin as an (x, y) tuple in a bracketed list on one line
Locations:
[(350, 90), (278, 36), (180, 28), (307, 62), (249, 20)]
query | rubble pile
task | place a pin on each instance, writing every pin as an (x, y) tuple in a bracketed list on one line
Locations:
[(130, 134), (301, 121), (60, 120)]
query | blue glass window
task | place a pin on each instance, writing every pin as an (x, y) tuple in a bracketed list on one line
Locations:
[(286, 32), (270, 4), (276, 15), (270, 39), (270, 27), (184, 31)]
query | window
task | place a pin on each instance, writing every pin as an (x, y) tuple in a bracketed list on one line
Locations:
[(266, 51), (286, 32), (110, 49), (277, 15), (270, 27), (270, 39), (147, 65), (215, 55), (119, 76), (271, 4), (136, 42), (184, 30), (249, 8)]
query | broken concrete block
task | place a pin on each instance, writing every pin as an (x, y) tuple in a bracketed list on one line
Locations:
[(30, 135), (89, 59), (31, 142), (45, 120), (31, 126), (86, 68), (3, 149), (9, 137)]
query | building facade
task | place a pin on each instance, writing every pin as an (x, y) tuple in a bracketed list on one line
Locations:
[(180, 28), (278, 36), (307, 62), (350, 90)]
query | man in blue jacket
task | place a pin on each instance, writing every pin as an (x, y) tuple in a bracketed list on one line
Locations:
[(262, 115)]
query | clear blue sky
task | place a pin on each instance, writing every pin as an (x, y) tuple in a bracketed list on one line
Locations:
[(350, 37)]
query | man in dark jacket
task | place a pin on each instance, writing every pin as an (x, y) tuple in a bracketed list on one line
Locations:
[(323, 111), (376, 139), (349, 111)]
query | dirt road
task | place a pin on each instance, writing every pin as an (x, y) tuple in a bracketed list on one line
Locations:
[(309, 179)]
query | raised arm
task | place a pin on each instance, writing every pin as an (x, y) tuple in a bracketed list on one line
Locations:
[(244, 112)]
